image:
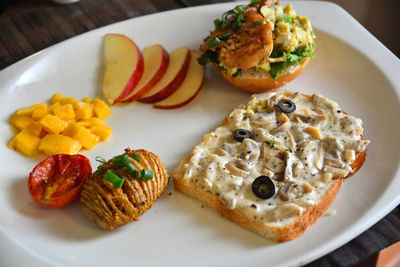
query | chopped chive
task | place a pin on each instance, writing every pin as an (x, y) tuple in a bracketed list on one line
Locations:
[(225, 36), (214, 42), (121, 161), (258, 22), (218, 24), (132, 170), (239, 9), (146, 174), (135, 156), (100, 169), (253, 2), (100, 159), (237, 72), (285, 18), (114, 179)]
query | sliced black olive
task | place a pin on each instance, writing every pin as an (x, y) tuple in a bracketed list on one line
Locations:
[(263, 187), (286, 105), (241, 134)]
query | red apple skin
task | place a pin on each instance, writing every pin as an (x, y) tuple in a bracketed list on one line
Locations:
[(172, 86), (195, 55), (136, 74), (162, 68)]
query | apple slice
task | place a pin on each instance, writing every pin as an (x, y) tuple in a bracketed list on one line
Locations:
[(156, 60), (189, 88), (124, 67), (172, 78)]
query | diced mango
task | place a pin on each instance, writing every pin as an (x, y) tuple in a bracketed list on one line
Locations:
[(86, 99), (53, 124), (82, 134), (103, 131), (59, 144), (29, 110), (91, 122), (26, 143), (35, 128), (54, 106), (69, 100), (20, 121), (85, 111), (101, 109), (38, 114), (56, 98), (64, 112)]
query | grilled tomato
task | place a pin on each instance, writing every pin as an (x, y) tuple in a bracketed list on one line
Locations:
[(58, 180)]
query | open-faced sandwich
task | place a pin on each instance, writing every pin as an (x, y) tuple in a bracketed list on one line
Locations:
[(260, 46), (276, 163), (123, 188)]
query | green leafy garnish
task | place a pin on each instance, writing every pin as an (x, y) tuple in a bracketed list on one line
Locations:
[(292, 58), (259, 22), (208, 57), (114, 179), (285, 18), (135, 156)]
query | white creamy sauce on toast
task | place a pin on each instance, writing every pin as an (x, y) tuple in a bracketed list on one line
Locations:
[(302, 152)]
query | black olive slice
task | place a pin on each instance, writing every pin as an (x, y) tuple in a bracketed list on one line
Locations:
[(286, 105), (263, 187), (241, 134)]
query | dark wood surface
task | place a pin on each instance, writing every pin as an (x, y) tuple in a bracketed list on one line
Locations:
[(29, 26)]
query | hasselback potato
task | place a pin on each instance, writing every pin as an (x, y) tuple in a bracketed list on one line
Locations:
[(111, 205)]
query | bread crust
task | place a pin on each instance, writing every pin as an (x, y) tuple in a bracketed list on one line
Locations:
[(279, 233), (252, 84)]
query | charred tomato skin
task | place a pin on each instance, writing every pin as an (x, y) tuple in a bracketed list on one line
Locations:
[(58, 179)]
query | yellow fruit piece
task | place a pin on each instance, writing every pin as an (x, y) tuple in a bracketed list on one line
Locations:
[(53, 124), (56, 98), (86, 99), (26, 143), (59, 144), (20, 121), (54, 106), (91, 122), (38, 114), (35, 128), (101, 109), (64, 112), (29, 110), (103, 131), (84, 112), (69, 100), (82, 134)]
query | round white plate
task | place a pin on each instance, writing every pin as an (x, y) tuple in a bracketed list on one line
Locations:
[(350, 67)]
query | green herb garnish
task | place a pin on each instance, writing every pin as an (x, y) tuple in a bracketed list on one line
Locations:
[(258, 22), (292, 58), (135, 156), (114, 179), (121, 161), (285, 18)]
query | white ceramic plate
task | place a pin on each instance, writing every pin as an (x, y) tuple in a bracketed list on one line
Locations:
[(350, 66)]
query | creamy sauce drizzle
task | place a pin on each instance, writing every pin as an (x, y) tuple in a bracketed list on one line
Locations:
[(301, 152)]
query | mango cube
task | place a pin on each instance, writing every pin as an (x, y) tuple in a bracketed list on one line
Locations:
[(53, 124), (64, 112), (91, 122), (29, 110), (35, 128), (101, 109), (26, 143), (82, 134), (38, 114), (59, 144), (86, 99), (56, 98), (20, 121), (85, 111), (103, 131)]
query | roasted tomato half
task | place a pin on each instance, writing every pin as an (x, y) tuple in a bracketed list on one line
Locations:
[(58, 180)]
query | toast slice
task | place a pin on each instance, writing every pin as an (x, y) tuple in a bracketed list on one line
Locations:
[(303, 155)]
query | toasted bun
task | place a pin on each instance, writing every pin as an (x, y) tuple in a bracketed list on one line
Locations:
[(257, 81)]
